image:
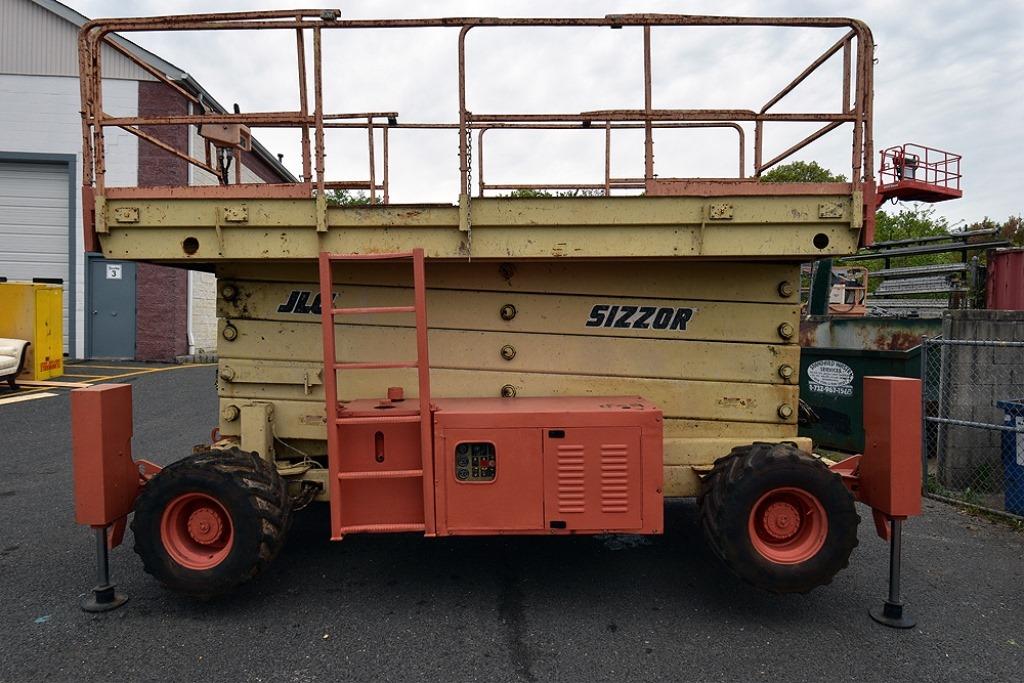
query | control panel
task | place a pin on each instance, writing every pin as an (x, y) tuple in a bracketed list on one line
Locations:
[(475, 462)]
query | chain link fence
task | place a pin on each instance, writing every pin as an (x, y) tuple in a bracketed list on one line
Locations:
[(973, 406)]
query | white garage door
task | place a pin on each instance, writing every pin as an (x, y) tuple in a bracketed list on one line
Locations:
[(34, 224)]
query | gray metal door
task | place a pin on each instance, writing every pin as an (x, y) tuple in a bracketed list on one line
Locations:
[(111, 308)]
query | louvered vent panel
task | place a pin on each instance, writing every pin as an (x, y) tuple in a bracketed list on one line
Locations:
[(614, 478), (571, 493)]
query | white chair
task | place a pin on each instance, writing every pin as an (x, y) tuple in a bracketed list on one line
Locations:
[(12, 359)]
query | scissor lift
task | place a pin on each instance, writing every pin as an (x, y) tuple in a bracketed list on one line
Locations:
[(591, 352)]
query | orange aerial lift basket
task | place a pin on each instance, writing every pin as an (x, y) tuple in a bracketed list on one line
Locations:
[(916, 173)]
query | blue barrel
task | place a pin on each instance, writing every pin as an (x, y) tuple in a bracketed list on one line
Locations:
[(1013, 455)]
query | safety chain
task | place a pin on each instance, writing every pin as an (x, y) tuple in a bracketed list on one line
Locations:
[(469, 190)]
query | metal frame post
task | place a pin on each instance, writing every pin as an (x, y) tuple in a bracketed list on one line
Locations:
[(891, 612), (924, 414), (820, 287), (105, 595)]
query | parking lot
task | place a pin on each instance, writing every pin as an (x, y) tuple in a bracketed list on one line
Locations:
[(405, 607)]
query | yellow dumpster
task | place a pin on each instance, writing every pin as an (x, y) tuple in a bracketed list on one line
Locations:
[(34, 311)]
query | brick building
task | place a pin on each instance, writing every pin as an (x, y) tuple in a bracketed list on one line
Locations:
[(172, 310)]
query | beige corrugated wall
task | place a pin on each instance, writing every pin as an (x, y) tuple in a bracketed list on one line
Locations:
[(35, 42)]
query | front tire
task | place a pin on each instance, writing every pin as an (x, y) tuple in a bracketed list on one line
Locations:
[(212, 521), (778, 518)]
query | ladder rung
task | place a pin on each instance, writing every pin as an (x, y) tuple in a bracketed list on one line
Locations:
[(373, 309), (383, 419), (375, 366), (369, 257), (381, 528), (381, 474)]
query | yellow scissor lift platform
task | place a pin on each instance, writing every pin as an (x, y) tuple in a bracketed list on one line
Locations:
[(796, 223)]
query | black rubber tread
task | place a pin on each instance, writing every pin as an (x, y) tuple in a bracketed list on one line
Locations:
[(255, 496), (735, 484)]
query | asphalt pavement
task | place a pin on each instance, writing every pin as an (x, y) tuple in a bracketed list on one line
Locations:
[(466, 609)]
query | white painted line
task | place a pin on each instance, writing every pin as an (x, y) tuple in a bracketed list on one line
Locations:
[(29, 397), (55, 385)]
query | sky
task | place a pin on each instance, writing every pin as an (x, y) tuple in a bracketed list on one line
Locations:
[(949, 74)]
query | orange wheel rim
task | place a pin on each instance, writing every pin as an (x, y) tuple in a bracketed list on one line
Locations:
[(196, 531), (788, 525)]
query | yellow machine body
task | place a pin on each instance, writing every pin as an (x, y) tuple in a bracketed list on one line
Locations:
[(723, 374), (561, 297)]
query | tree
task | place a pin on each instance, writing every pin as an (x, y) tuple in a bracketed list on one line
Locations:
[(346, 198), (525, 193), (529, 194), (1012, 229), (908, 223), (801, 172)]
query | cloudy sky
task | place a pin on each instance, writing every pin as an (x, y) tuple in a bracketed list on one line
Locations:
[(949, 74)]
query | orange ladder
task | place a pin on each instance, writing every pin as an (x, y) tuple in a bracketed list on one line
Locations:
[(336, 420)]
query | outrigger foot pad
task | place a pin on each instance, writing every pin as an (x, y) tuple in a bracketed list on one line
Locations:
[(104, 599), (104, 596), (891, 614)]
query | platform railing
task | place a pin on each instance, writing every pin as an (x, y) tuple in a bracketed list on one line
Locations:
[(854, 100), (609, 183)]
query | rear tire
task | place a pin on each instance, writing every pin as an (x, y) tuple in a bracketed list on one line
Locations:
[(212, 521), (778, 518)]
